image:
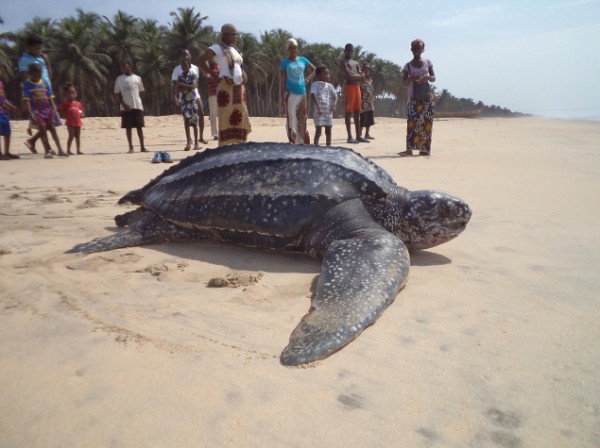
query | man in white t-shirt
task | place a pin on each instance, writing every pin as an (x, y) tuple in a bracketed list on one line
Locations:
[(175, 76), (128, 88)]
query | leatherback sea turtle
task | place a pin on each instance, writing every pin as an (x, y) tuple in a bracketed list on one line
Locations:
[(331, 203)]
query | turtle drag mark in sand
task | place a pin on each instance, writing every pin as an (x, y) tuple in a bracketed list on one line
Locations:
[(330, 203)]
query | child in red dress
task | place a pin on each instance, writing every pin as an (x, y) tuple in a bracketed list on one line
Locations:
[(72, 111)]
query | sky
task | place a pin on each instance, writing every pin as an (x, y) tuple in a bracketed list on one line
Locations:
[(533, 56)]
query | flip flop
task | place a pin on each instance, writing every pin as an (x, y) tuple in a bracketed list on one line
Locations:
[(405, 154), (29, 146)]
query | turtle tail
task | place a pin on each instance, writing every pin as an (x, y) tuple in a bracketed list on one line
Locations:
[(134, 197)]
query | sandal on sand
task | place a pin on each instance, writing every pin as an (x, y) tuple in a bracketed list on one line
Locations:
[(30, 146), (421, 153), (405, 154)]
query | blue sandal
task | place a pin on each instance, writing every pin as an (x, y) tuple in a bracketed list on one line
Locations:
[(166, 157)]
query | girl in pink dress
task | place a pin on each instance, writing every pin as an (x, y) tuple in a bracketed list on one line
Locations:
[(72, 111)]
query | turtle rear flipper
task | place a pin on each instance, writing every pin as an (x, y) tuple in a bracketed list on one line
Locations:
[(146, 228)]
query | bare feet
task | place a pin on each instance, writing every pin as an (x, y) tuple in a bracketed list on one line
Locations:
[(144, 150)]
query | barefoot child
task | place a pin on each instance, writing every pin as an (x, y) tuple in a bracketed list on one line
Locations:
[(128, 87), (72, 111), (187, 85), (5, 107), (39, 99), (324, 100)]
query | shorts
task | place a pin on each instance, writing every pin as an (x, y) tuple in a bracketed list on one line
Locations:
[(132, 118), (5, 125), (352, 98)]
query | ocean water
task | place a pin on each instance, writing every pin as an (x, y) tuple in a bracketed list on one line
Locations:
[(572, 114)]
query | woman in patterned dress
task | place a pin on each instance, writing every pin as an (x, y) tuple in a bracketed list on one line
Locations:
[(234, 121), (419, 126)]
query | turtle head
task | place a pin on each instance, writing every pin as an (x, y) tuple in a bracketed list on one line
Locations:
[(430, 218)]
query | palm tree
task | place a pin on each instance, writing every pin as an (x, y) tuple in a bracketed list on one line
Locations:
[(187, 32), (256, 71), (6, 55), (153, 65), (121, 36), (274, 48), (77, 58)]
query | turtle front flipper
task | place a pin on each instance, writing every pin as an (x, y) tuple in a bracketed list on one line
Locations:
[(145, 227), (360, 277)]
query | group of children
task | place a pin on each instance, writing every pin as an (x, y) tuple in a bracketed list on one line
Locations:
[(43, 114), (42, 111)]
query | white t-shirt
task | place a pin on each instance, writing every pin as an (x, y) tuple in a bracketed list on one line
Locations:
[(222, 59), (130, 88), (177, 71)]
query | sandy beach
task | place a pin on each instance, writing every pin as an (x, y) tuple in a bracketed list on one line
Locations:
[(492, 343)]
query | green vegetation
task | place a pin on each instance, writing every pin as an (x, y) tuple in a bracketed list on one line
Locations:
[(86, 50)]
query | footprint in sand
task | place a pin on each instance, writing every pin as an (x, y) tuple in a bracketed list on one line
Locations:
[(235, 280)]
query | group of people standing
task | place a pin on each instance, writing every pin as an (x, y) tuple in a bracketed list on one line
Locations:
[(222, 67), (359, 98)]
